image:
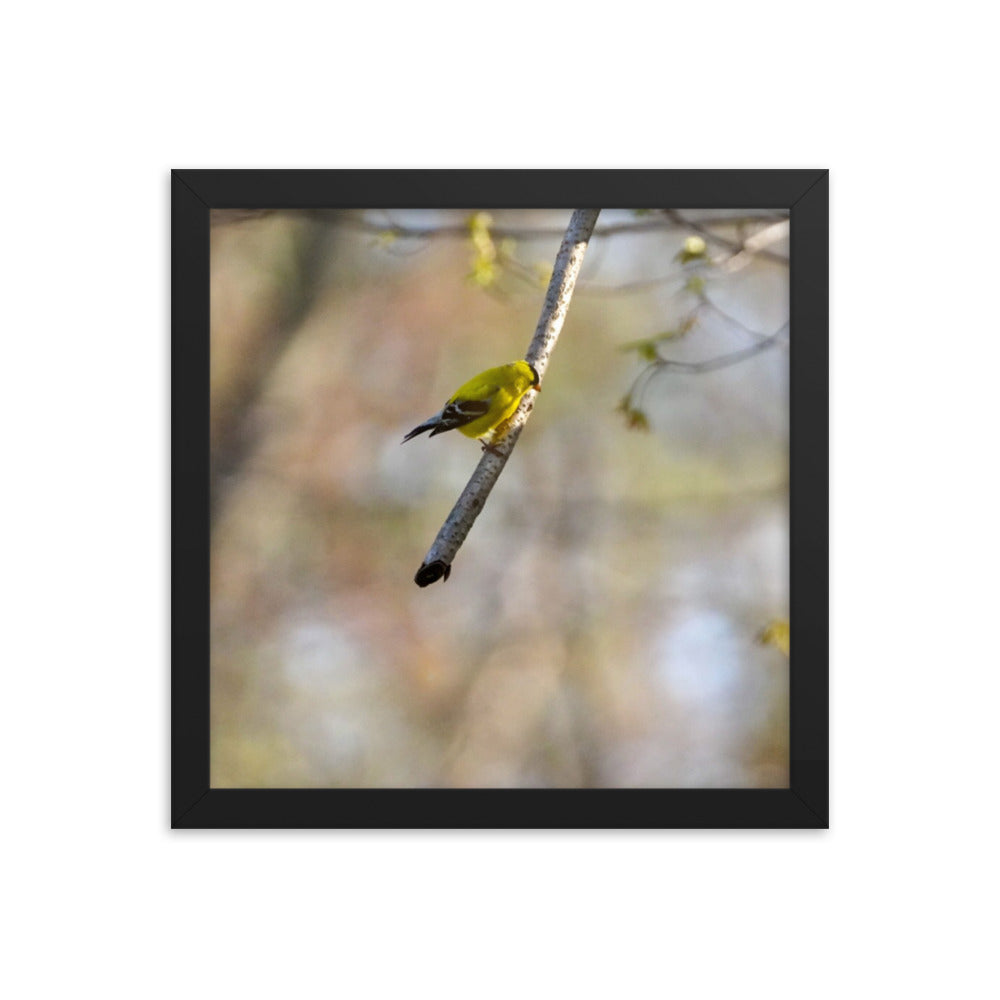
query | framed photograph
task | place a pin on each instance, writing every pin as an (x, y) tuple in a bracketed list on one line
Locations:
[(575, 611)]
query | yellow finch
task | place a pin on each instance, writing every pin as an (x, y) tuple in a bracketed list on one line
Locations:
[(480, 406)]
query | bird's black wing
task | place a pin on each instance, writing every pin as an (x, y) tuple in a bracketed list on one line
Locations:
[(460, 413)]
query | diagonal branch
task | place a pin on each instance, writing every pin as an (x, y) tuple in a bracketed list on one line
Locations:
[(437, 562), (754, 245), (723, 360)]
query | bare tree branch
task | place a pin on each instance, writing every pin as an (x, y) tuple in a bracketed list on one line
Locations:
[(658, 224), (704, 302), (748, 247), (723, 360), (437, 562)]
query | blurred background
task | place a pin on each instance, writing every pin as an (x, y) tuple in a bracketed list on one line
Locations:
[(618, 615)]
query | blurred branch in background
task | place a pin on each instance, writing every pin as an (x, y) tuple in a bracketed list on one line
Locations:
[(694, 257), (739, 250), (285, 268), (668, 221)]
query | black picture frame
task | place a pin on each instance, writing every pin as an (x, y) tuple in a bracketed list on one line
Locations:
[(804, 804)]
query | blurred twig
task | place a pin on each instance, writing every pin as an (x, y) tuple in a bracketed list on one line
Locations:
[(752, 246), (234, 436), (631, 404), (723, 360), (660, 224)]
